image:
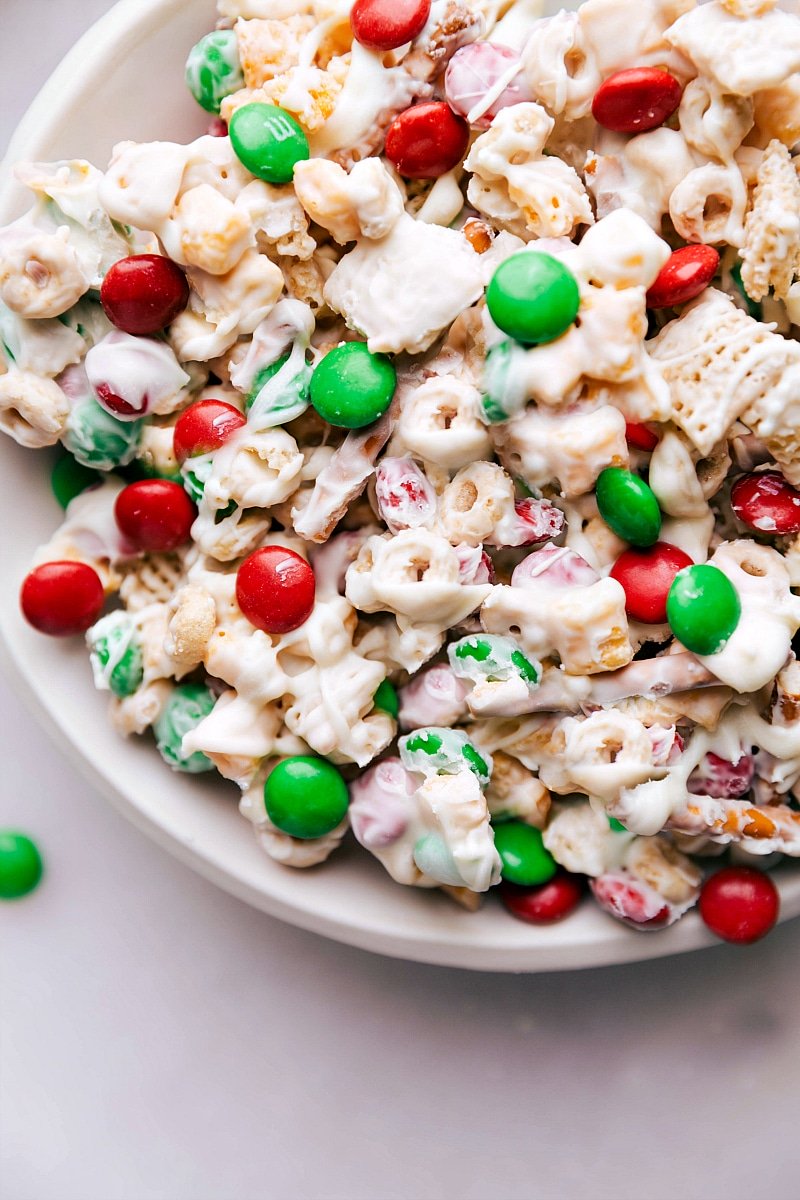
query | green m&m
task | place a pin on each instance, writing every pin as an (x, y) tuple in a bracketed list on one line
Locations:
[(187, 706), (115, 654), (387, 700), (352, 387), (99, 441), (533, 297), (525, 858), (20, 865), (628, 506), (703, 608), (268, 141), (285, 400), (69, 478), (213, 69), (305, 797)]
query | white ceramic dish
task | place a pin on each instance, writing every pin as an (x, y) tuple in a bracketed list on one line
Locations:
[(91, 102)]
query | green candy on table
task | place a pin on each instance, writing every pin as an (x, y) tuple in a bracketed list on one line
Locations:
[(213, 69), (268, 141), (115, 654), (352, 387), (69, 478), (98, 440), (703, 608), (533, 297), (305, 797), (387, 700), (628, 506), (187, 706), (526, 860), (20, 865), (285, 402)]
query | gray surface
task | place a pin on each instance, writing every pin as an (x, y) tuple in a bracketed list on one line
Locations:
[(161, 1040)]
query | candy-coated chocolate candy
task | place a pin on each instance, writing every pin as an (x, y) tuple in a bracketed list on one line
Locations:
[(616, 826), (473, 72), (69, 478), (545, 904), (144, 293), (635, 100), (630, 900), (739, 904), (275, 589), (187, 706), (217, 128), (387, 24), (684, 275), (97, 440), (628, 506), (405, 496), (766, 503), (155, 515), (268, 141), (205, 426), (646, 576), (62, 598), (721, 778), (525, 859), (640, 436), (703, 608), (285, 400), (115, 654), (386, 699), (352, 387), (305, 797), (491, 657), (427, 140), (436, 750), (20, 865), (213, 69), (533, 297), (434, 857)]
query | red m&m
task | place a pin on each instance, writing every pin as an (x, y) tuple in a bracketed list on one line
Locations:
[(155, 515), (275, 589), (766, 503), (62, 598), (427, 140), (685, 274), (636, 100), (387, 24), (205, 426), (545, 904), (646, 576), (144, 293)]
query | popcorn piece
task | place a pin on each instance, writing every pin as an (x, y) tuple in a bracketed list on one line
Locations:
[(269, 47), (701, 353), (137, 713), (741, 55), (40, 274), (377, 287), (582, 841), (207, 231), (771, 249), (366, 203), (33, 410), (549, 193), (514, 791), (583, 622), (571, 446)]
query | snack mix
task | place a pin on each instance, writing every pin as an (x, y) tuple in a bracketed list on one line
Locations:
[(430, 441)]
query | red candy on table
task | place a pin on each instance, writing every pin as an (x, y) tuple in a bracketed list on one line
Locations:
[(275, 589), (203, 427), (427, 140), (155, 515), (685, 274), (739, 904), (646, 576), (636, 100), (62, 598), (472, 73), (766, 503), (144, 293), (546, 904), (387, 24), (640, 436)]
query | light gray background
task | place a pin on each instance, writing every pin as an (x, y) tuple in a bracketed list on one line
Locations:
[(161, 1040)]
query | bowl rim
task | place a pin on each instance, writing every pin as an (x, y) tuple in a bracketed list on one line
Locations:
[(124, 25)]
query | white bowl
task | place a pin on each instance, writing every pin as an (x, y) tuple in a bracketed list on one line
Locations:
[(137, 50)]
